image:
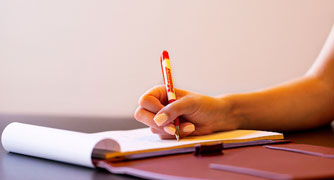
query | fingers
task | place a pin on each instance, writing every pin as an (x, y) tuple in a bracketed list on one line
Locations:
[(150, 103), (153, 113), (162, 134), (153, 99), (169, 130), (183, 106), (146, 117), (186, 129)]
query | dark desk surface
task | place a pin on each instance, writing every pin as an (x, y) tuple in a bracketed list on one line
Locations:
[(15, 167)]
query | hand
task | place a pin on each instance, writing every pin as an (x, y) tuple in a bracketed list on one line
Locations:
[(198, 114)]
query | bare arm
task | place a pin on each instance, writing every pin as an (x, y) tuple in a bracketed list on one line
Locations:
[(300, 104), (303, 103)]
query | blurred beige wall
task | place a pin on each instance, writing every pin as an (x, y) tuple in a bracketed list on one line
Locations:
[(79, 57)]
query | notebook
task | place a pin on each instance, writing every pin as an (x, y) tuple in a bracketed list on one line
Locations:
[(277, 161), (77, 147)]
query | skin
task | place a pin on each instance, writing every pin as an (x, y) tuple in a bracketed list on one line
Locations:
[(303, 103)]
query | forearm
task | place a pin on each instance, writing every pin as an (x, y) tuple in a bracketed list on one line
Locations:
[(301, 104)]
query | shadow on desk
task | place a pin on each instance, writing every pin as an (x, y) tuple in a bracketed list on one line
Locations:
[(322, 136), (15, 167)]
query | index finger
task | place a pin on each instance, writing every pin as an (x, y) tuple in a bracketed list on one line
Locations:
[(154, 99)]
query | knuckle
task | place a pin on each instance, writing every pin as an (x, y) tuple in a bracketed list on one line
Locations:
[(138, 114), (142, 100), (155, 87), (160, 86)]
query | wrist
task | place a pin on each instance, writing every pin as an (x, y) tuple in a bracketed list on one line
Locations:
[(234, 114)]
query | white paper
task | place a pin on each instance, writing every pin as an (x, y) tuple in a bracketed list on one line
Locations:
[(55, 144), (76, 148), (142, 139)]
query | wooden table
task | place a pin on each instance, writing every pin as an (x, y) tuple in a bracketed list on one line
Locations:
[(17, 167)]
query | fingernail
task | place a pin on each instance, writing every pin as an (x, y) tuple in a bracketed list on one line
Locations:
[(160, 119), (188, 128), (170, 129)]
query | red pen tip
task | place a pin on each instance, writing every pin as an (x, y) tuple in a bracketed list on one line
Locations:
[(165, 55)]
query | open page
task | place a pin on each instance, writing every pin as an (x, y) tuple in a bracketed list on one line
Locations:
[(76, 148), (143, 139)]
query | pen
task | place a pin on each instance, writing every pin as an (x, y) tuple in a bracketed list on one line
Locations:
[(168, 80)]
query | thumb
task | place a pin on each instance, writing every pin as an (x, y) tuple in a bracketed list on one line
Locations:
[(183, 106)]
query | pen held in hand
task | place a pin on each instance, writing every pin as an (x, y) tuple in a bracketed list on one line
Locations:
[(168, 80)]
